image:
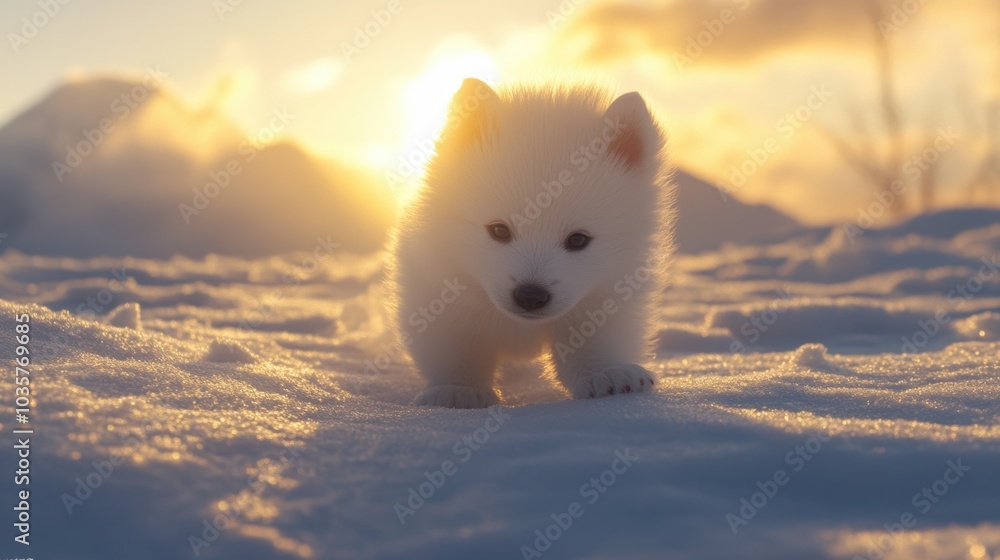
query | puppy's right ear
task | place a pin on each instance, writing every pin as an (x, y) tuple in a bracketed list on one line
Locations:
[(471, 116), (634, 133)]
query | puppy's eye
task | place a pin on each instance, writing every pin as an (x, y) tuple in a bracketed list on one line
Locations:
[(577, 241), (499, 231)]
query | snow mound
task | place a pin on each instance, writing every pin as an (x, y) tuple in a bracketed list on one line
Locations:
[(984, 326), (229, 352), (125, 316), (812, 356), (844, 256)]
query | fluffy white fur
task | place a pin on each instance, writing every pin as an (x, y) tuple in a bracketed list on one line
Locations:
[(547, 161)]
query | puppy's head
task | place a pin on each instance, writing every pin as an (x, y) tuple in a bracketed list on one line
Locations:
[(546, 196)]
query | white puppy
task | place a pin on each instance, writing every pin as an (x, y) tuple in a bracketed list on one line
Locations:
[(542, 227)]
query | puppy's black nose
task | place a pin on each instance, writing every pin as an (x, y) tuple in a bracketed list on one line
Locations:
[(531, 297)]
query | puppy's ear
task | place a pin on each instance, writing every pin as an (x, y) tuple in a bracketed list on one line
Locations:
[(633, 140), (471, 116)]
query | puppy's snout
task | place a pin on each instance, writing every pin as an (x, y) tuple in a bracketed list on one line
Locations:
[(531, 297)]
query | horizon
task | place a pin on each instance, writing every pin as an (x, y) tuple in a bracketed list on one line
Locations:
[(366, 100)]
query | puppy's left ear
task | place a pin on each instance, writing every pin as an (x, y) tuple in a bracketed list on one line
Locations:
[(634, 135), (471, 116)]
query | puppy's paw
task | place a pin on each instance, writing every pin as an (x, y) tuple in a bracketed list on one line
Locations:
[(457, 396), (612, 380)]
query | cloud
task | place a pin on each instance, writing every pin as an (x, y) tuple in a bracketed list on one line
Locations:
[(734, 32)]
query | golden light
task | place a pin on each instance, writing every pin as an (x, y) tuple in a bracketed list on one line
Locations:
[(426, 97), (425, 101), (314, 77)]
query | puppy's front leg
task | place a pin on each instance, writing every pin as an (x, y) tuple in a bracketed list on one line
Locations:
[(458, 371), (596, 360)]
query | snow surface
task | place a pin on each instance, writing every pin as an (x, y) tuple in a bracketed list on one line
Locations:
[(265, 396)]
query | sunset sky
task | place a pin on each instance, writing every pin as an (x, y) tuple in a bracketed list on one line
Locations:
[(722, 87)]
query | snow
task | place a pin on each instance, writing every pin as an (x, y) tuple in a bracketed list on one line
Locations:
[(807, 393), (127, 316)]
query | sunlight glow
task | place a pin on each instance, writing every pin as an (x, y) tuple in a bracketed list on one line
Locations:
[(427, 96), (378, 156), (314, 77), (425, 101)]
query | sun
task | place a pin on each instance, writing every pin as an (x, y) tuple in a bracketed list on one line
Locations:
[(425, 98)]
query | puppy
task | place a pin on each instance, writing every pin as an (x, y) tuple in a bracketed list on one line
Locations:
[(542, 227)]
